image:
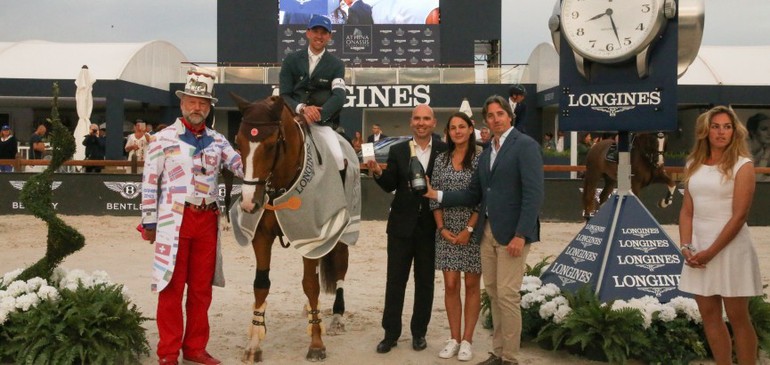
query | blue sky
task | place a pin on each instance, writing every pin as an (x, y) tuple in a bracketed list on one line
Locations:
[(191, 24)]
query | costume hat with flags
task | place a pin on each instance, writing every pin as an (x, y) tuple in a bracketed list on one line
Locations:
[(200, 83)]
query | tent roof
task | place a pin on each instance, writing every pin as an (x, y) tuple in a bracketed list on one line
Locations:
[(714, 65), (155, 63)]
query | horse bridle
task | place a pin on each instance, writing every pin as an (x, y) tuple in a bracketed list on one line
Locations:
[(272, 193), (654, 157)]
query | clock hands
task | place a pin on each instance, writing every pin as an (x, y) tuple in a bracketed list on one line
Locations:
[(614, 28), (597, 16), (608, 13)]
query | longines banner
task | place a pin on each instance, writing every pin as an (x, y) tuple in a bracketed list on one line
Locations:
[(379, 45), (76, 194), (642, 260)]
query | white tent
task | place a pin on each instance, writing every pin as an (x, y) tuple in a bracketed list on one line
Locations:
[(155, 63)]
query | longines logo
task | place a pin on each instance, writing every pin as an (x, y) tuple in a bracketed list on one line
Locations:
[(127, 189), (287, 32), (376, 96), (303, 2), (614, 103)]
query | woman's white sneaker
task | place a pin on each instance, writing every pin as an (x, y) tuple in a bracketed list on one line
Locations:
[(450, 350), (465, 353)]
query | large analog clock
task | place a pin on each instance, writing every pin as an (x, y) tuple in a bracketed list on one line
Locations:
[(609, 32)]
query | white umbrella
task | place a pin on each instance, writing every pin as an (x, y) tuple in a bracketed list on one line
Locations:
[(84, 101), (465, 107)]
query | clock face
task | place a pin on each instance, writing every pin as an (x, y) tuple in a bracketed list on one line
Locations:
[(610, 31)]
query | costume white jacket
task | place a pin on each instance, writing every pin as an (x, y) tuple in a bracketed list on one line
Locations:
[(179, 168)]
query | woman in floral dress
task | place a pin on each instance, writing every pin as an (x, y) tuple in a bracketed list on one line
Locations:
[(457, 249)]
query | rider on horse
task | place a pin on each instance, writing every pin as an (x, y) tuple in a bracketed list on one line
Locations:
[(312, 82)]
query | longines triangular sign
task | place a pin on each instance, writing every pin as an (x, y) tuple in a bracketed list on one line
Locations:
[(641, 258)]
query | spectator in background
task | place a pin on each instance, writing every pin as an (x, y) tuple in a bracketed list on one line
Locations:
[(137, 141), (582, 149), (517, 93), (560, 141), (357, 141), (9, 147), (36, 143), (486, 136), (548, 143), (96, 145), (376, 134), (759, 131)]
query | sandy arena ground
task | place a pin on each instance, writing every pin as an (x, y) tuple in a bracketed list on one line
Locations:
[(113, 245)]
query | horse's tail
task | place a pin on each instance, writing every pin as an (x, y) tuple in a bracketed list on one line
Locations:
[(329, 273)]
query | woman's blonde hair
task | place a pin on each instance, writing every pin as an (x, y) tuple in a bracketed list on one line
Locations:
[(702, 149)]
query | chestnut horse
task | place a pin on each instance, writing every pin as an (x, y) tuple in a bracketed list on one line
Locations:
[(271, 141), (646, 168)]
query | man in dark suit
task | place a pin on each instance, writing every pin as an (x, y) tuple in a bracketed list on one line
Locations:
[(411, 233), (376, 134), (516, 95), (358, 12), (312, 82), (509, 185)]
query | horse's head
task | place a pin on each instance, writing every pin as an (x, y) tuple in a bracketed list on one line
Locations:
[(260, 139), (652, 147)]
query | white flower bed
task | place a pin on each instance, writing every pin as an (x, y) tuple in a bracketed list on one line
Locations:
[(23, 295), (554, 306)]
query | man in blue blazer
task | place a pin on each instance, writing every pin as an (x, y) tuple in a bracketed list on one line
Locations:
[(312, 82), (509, 185), (411, 233)]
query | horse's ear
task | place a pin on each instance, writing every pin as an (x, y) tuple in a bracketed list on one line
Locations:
[(277, 100), (241, 102)]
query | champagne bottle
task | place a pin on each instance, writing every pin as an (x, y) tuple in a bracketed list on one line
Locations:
[(417, 181)]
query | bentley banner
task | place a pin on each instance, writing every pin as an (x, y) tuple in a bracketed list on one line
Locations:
[(78, 194)]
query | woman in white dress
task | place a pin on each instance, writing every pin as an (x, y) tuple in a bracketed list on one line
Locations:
[(721, 263)]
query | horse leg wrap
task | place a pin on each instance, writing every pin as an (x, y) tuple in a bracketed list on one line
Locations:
[(339, 302), (262, 279), (311, 321), (258, 328)]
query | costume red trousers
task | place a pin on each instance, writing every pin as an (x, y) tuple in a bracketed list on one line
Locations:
[(195, 264)]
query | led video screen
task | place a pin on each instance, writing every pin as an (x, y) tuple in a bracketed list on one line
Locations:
[(399, 33)]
